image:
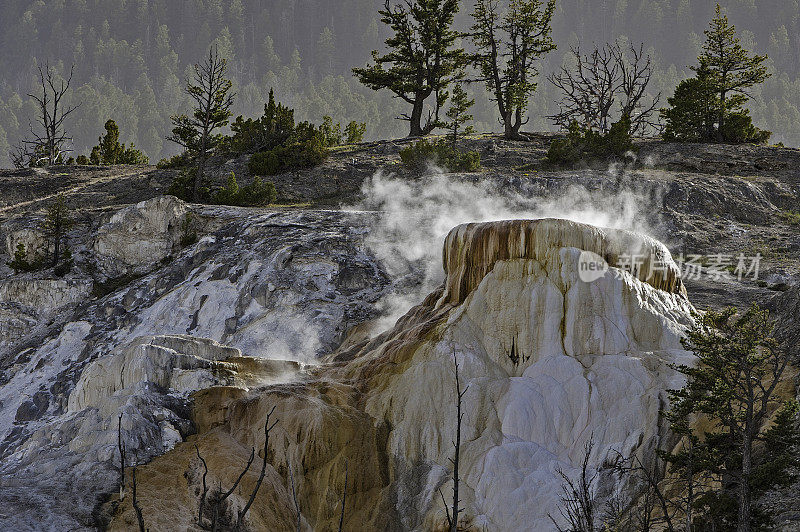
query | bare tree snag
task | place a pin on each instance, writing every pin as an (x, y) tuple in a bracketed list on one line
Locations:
[(608, 78), (205, 487), (452, 514), (344, 497), (121, 447), (136, 507), (46, 146), (267, 429), (578, 497)]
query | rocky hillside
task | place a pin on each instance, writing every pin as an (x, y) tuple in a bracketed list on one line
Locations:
[(183, 324)]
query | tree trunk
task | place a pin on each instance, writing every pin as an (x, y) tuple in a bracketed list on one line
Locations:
[(512, 123), (416, 117), (743, 521), (198, 178)]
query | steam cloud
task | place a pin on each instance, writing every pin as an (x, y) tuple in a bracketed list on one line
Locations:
[(416, 215)]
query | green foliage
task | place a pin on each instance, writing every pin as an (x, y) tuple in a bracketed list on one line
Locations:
[(710, 106), (273, 129), (355, 132), (331, 134), (733, 385), (255, 194), (182, 186), (20, 263), (458, 114), (176, 161), (82, 160), (417, 156), (110, 151), (423, 57), (57, 222), (508, 46), (586, 145), (304, 148), (188, 231)]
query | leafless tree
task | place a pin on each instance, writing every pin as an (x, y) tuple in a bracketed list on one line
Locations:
[(218, 498), (267, 429), (136, 507), (652, 507), (452, 514), (578, 497), (344, 498), (121, 447), (609, 82), (46, 142), (294, 498)]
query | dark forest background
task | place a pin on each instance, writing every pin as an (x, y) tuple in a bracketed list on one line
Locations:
[(132, 57)]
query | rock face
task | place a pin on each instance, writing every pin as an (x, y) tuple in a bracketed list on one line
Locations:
[(138, 237), (549, 362), (235, 311)]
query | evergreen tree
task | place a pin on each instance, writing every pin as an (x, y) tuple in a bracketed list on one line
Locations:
[(423, 58), (458, 114), (211, 92), (692, 111), (733, 385), (710, 106), (110, 151), (508, 46), (731, 69), (56, 223)]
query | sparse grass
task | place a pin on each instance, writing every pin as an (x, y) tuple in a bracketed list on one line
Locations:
[(790, 217)]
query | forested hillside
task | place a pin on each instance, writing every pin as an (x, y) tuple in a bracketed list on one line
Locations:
[(131, 59)]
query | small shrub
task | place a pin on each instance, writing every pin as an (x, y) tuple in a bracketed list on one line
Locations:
[(183, 184), (71, 161), (305, 149), (20, 263), (331, 134), (417, 156), (176, 161), (355, 132), (188, 232), (82, 160), (580, 144), (256, 193)]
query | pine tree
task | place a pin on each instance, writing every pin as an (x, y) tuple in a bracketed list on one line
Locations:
[(56, 223), (508, 46), (211, 92), (692, 111), (731, 68), (458, 113), (733, 385), (422, 60), (710, 106), (110, 151)]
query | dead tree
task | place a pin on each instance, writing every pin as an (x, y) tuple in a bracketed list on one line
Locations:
[(652, 500), (578, 497), (267, 429), (294, 498), (219, 497), (136, 507), (205, 487), (121, 447), (344, 497), (46, 144), (452, 515), (609, 82)]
